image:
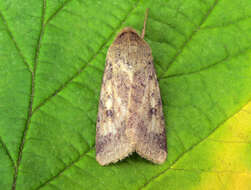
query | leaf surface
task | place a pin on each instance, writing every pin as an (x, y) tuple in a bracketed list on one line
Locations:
[(52, 57)]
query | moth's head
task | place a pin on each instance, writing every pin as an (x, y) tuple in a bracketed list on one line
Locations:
[(128, 34), (127, 30)]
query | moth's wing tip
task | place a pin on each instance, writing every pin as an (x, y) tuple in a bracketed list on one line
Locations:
[(100, 161), (106, 158), (162, 158), (158, 157)]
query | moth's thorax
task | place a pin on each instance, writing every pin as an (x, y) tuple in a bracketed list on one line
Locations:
[(130, 49)]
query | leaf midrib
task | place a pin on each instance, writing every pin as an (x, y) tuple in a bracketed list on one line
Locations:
[(33, 78)]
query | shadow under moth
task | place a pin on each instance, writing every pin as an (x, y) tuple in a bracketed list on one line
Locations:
[(130, 117)]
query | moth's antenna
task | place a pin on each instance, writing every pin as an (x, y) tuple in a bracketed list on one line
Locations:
[(144, 28)]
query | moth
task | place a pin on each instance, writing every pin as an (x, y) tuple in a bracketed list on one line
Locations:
[(130, 117)]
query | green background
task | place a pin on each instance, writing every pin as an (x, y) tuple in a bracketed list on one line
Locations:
[(52, 57)]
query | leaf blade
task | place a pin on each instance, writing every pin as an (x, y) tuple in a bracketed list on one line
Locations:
[(207, 83)]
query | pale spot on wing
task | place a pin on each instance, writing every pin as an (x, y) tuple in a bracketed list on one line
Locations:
[(123, 110), (108, 103), (108, 87), (119, 100), (154, 122), (109, 127), (153, 101)]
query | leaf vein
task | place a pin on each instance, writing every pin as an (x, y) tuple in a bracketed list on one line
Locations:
[(192, 34), (212, 171), (15, 43), (226, 24), (65, 168), (57, 11), (7, 152), (226, 58)]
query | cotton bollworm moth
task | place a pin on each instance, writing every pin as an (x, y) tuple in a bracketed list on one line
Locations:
[(130, 116)]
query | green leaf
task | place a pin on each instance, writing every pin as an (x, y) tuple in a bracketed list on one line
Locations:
[(52, 57)]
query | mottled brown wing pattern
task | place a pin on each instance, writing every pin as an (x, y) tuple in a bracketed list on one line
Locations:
[(112, 144), (130, 114), (151, 134)]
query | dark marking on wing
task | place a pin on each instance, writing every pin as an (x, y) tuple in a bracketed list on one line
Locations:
[(108, 71), (102, 141), (153, 111), (101, 104), (159, 102), (109, 113), (123, 85), (161, 139)]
